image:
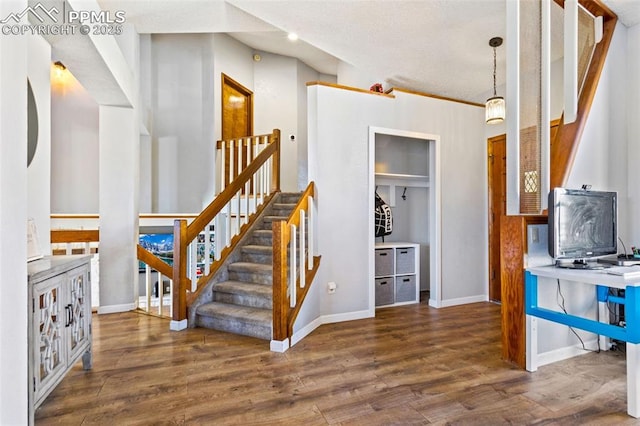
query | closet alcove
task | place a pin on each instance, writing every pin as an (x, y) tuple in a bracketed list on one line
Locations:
[(405, 172)]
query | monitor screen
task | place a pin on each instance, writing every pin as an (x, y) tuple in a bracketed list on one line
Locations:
[(582, 223)]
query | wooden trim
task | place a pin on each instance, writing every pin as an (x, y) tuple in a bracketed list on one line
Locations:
[(352, 89), (280, 300), (180, 281), (152, 260), (431, 95), (513, 246), (567, 140), (60, 236), (228, 81)]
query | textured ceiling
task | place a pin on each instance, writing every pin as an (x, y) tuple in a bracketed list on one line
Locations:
[(435, 46)]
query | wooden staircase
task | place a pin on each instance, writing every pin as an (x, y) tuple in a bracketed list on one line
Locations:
[(240, 298)]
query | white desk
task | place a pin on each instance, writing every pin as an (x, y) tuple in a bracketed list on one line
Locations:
[(602, 282)]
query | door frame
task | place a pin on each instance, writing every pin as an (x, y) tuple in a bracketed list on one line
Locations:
[(491, 232), (435, 207)]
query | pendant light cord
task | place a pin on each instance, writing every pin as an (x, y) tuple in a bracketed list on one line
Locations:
[(494, 72)]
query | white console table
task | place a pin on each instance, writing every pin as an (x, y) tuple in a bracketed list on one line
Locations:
[(59, 322), (601, 282)]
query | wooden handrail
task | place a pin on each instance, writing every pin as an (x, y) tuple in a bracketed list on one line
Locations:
[(227, 194), (183, 295), (61, 236), (152, 260), (284, 315)]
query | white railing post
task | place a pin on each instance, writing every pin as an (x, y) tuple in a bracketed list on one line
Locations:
[(302, 249), (223, 157), (207, 249), (231, 160), (147, 286), (160, 292), (292, 267), (311, 232)]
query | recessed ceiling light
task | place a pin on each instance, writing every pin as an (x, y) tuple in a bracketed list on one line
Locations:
[(292, 36)]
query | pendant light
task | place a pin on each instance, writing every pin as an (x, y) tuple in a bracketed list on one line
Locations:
[(495, 108)]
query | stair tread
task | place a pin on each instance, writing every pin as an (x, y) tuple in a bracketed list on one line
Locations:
[(255, 248), (229, 311), (242, 287), (260, 268)]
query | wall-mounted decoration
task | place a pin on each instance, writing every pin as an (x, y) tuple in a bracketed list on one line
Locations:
[(32, 122)]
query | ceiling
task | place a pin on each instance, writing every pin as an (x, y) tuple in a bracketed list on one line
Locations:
[(435, 46)]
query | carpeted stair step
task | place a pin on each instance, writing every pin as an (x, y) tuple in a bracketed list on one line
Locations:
[(267, 221), (245, 320), (251, 272), (289, 197), (282, 209), (262, 237), (244, 294), (257, 253)]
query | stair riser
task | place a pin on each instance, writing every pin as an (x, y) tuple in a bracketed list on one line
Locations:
[(251, 277), (265, 259), (262, 240), (243, 300), (237, 326)]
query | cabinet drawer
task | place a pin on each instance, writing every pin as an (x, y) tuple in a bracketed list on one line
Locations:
[(405, 290), (384, 291), (384, 262), (405, 260)]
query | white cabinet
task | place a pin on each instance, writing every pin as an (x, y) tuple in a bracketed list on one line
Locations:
[(60, 321), (397, 273)]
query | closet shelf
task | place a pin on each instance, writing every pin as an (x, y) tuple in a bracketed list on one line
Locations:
[(396, 179)]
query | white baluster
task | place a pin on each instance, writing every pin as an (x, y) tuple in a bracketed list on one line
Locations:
[(160, 292), (292, 267), (240, 142), (310, 231), (171, 300), (302, 248), (227, 229), (207, 249), (147, 280), (223, 166), (231, 160)]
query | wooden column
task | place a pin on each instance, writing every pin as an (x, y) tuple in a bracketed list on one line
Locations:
[(513, 247)]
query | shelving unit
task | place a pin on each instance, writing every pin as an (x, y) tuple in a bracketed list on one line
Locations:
[(397, 274)]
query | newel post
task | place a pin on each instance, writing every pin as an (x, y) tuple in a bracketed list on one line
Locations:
[(280, 302), (179, 290), (276, 160)]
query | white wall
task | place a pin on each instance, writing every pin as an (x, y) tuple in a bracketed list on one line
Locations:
[(39, 172), (305, 75), (338, 163), (632, 91), (13, 220), (182, 98), (275, 107), (74, 148)]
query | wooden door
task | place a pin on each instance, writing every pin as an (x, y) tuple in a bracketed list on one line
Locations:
[(237, 109), (497, 208)]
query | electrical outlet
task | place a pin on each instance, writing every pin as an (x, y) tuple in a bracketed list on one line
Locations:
[(331, 287)]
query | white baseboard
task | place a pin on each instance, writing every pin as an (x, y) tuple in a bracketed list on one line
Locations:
[(328, 319), (279, 345), (463, 300), (567, 352), (178, 325), (114, 309), (306, 330)]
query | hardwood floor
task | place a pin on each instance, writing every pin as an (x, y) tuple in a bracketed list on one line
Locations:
[(410, 365)]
